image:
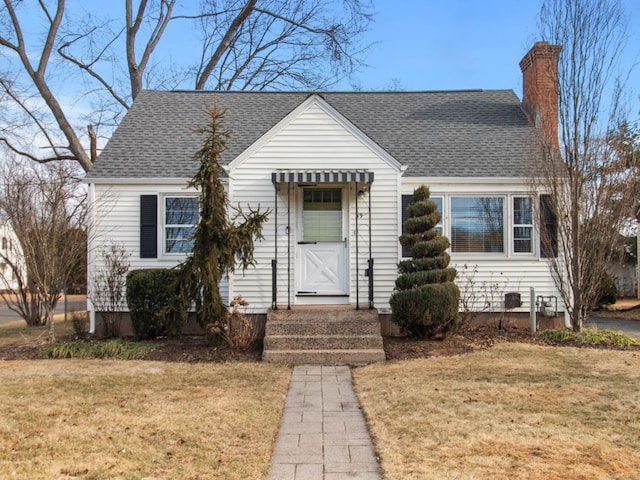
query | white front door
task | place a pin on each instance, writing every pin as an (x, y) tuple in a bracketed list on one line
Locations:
[(322, 250)]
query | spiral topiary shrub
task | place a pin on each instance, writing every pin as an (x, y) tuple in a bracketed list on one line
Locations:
[(426, 299)]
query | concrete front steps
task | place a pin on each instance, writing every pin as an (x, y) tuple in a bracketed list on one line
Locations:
[(323, 335)]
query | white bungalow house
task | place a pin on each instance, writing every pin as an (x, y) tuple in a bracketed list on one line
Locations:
[(337, 169)]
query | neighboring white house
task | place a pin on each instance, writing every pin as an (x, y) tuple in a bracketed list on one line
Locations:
[(337, 169), (11, 261)]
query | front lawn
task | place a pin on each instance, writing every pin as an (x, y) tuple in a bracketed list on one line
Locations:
[(107, 419), (514, 411)]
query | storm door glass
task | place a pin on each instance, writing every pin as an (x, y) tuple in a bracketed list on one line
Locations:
[(322, 215)]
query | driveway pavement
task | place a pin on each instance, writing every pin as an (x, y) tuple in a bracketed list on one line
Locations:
[(75, 303), (630, 327)]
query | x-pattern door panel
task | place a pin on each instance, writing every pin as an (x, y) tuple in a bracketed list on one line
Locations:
[(322, 249)]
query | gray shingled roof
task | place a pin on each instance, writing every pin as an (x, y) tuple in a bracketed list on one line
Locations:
[(451, 133)]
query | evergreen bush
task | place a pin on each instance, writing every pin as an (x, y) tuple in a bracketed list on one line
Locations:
[(426, 299), (149, 292)]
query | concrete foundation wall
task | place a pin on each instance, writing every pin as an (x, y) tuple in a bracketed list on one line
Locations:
[(520, 320)]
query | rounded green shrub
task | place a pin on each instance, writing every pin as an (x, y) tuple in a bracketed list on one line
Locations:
[(149, 293), (427, 311), (426, 299)]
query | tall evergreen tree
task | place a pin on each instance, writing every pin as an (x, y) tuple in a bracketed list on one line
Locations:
[(425, 301), (220, 242)]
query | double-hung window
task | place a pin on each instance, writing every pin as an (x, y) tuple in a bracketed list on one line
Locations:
[(477, 225), (522, 225), (180, 219)]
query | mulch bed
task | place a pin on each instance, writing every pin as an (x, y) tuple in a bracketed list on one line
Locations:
[(192, 349)]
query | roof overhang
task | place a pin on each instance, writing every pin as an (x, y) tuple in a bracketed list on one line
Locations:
[(322, 176)]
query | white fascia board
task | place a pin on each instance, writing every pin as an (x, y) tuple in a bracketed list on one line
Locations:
[(333, 113)]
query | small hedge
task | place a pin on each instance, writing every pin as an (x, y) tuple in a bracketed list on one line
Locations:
[(427, 311), (590, 336), (149, 293)]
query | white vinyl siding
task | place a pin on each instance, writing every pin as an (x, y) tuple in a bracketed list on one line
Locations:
[(116, 220), (497, 273), (314, 139)]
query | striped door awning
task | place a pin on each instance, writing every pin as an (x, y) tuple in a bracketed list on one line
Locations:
[(322, 176)]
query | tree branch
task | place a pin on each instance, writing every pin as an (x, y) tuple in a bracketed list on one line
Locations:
[(89, 70), (237, 22)]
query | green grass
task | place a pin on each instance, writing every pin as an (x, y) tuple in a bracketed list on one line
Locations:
[(590, 336), (114, 349)]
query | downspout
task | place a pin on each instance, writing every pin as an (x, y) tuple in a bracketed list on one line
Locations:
[(274, 267), (289, 246), (371, 277), (357, 257), (91, 258)]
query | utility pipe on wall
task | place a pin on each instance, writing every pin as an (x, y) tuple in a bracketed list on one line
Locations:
[(532, 308)]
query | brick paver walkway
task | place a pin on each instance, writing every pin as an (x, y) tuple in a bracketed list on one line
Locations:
[(323, 435)]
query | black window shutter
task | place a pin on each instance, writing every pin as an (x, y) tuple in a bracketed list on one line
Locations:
[(148, 226), (549, 227), (406, 201)]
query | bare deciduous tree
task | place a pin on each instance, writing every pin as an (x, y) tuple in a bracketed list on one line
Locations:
[(47, 210), (244, 45), (584, 172)]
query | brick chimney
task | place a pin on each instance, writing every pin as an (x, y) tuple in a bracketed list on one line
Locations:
[(540, 88)]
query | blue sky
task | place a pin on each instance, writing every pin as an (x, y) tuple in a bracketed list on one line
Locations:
[(429, 45), (441, 45)]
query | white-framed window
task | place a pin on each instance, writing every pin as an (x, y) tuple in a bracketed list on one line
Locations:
[(180, 216), (477, 224), (522, 225)]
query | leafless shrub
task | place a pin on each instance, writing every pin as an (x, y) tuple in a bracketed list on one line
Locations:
[(80, 322), (107, 291), (470, 295), (241, 330)]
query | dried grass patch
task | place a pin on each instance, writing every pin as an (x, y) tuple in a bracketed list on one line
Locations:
[(17, 332), (95, 419), (515, 411)]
